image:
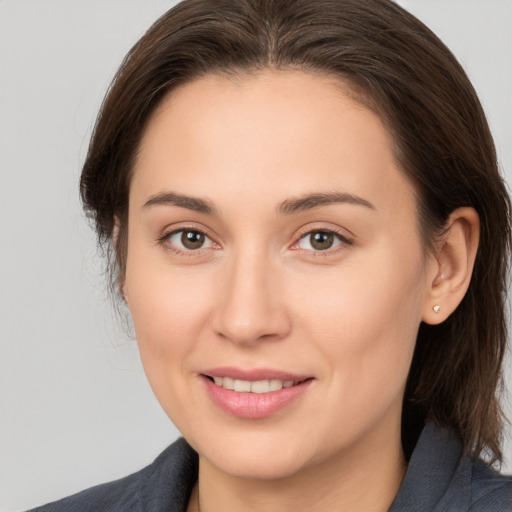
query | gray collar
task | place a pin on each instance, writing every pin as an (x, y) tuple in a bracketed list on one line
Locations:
[(438, 477)]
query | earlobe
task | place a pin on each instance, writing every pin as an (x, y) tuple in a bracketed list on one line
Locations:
[(454, 260)]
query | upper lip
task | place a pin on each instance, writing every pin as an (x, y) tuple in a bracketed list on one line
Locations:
[(254, 374)]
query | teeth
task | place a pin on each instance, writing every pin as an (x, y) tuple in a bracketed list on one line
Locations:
[(228, 383), (258, 386), (275, 385), (242, 385)]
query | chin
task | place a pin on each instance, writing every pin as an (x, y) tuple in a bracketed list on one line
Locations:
[(257, 464), (265, 454)]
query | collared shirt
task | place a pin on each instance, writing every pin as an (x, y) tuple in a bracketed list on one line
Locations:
[(439, 478)]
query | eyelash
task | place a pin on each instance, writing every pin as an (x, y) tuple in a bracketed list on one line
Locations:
[(343, 239)]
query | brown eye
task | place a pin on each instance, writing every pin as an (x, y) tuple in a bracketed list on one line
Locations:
[(192, 239), (189, 240), (321, 240)]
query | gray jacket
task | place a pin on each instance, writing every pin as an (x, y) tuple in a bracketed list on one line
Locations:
[(439, 479)]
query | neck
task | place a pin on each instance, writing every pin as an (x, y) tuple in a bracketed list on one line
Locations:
[(365, 477)]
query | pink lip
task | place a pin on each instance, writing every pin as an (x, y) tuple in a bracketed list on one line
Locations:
[(253, 405), (252, 375)]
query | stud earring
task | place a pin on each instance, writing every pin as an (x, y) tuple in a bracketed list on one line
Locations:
[(436, 308)]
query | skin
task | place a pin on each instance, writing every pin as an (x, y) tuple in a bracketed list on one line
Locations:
[(257, 295)]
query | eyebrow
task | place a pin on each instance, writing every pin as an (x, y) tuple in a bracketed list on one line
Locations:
[(173, 199), (311, 201), (287, 207)]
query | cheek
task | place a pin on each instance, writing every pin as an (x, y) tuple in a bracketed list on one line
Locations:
[(364, 319), (363, 302), (168, 310), (168, 306)]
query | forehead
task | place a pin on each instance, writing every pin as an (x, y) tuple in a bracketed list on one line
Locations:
[(293, 130)]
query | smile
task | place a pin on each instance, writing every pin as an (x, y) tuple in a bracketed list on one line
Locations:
[(257, 386), (254, 394)]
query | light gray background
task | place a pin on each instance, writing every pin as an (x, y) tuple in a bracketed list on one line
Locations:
[(75, 408)]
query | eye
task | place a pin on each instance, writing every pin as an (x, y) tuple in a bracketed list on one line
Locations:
[(189, 240), (321, 240)]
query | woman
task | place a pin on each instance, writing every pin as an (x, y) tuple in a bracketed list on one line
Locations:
[(312, 236)]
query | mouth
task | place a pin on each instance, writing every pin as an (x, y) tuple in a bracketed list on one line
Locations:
[(254, 394), (254, 386)]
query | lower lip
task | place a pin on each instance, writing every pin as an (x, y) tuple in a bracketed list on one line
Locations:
[(254, 405)]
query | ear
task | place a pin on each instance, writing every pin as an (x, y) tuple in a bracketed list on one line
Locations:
[(449, 274)]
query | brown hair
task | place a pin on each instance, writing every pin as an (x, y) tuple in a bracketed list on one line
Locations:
[(398, 67)]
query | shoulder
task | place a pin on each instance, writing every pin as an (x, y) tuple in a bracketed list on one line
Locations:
[(490, 490), (163, 485), (441, 478), (110, 497)]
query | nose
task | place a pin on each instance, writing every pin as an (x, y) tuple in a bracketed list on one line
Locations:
[(251, 304)]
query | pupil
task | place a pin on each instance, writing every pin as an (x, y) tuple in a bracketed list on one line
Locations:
[(192, 239), (322, 241)]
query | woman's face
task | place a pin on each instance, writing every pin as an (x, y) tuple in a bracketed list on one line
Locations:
[(273, 245)]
